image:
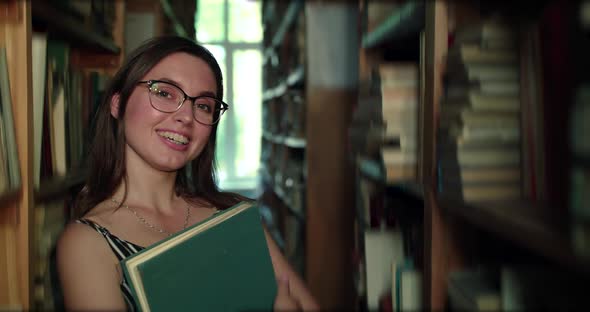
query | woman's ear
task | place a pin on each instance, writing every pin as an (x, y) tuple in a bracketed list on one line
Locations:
[(115, 105)]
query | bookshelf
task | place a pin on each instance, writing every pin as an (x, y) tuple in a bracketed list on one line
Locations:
[(283, 158), (534, 229), (20, 258), (304, 126)]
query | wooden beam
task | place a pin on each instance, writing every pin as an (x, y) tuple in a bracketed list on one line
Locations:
[(17, 39)]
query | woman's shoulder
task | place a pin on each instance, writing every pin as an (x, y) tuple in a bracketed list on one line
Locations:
[(84, 235), (79, 237)]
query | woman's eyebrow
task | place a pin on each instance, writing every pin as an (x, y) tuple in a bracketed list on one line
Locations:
[(176, 83)]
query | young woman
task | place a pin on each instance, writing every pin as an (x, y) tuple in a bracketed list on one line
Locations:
[(152, 174)]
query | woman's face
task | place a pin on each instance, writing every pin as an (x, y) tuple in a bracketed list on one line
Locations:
[(167, 141)]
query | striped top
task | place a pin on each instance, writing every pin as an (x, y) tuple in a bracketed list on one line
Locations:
[(122, 250)]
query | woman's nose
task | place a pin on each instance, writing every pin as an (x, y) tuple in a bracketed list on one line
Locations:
[(185, 112)]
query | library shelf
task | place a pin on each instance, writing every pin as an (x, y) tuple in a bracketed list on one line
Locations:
[(293, 79), (282, 195), (289, 141), (533, 226), (63, 25), (290, 16)]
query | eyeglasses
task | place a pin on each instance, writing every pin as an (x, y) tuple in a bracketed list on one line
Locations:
[(168, 98)]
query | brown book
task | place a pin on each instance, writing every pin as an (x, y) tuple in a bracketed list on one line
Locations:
[(473, 53), (400, 172)]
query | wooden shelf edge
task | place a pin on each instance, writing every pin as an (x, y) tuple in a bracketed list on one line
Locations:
[(67, 26), (409, 19), (529, 225), (294, 78), (57, 186), (299, 215), (288, 141)]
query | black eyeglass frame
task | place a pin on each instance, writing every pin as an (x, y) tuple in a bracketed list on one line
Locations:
[(217, 110)]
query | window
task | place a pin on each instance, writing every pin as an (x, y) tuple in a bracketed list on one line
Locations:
[(232, 31)]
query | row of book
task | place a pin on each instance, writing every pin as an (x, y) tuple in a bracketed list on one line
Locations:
[(388, 248), (64, 102), (65, 99), (479, 137), (10, 178), (399, 108), (385, 121), (390, 278), (285, 115)]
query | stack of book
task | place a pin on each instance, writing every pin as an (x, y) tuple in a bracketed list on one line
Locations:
[(480, 133), (399, 108)]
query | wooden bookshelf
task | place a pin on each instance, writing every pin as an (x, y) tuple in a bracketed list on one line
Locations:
[(19, 254), (536, 227), (286, 21), (279, 191), (61, 24)]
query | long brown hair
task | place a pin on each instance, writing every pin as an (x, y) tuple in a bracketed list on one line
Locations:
[(195, 182)]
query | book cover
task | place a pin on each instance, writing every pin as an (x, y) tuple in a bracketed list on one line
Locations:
[(219, 264), (9, 139)]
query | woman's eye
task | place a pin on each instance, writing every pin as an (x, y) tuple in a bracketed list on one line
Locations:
[(163, 94), (204, 107)]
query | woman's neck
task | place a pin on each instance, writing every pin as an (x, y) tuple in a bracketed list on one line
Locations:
[(149, 188)]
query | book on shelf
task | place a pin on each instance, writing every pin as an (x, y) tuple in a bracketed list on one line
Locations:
[(480, 128), (406, 290), (400, 172), (9, 153), (532, 114), (469, 53), (397, 156), (4, 177), (469, 73), (505, 87), (210, 266), (382, 248), (39, 70), (57, 88), (488, 33), (479, 101)]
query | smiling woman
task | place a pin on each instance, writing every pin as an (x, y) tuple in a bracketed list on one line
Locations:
[(152, 174)]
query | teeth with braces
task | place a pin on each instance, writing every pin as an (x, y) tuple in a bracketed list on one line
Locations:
[(174, 137)]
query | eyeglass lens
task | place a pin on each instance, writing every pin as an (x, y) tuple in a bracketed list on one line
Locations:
[(168, 98)]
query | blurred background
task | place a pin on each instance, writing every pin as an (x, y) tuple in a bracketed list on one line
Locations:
[(405, 154)]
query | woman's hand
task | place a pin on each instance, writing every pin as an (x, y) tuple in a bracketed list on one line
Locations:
[(284, 301)]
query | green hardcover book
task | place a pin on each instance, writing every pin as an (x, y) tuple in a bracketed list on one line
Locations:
[(219, 264)]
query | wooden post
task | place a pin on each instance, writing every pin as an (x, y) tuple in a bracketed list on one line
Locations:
[(331, 86)]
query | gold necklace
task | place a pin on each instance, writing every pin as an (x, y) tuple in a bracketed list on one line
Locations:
[(151, 226)]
